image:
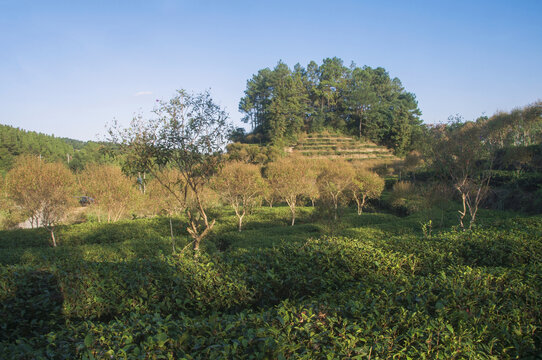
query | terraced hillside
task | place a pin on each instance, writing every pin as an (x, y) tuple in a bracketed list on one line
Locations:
[(335, 146)]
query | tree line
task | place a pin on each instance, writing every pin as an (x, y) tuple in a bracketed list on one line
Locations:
[(182, 149), (44, 192), (15, 142), (280, 103)]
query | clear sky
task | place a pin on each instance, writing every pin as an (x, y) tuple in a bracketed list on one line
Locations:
[(71, 67)]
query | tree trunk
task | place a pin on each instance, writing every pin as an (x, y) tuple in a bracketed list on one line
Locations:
[(53, 237), (473, 208), (240, 217), (291, 204), (196, 244), (464, 212), (193, 229), (360, 210), (172, 239), (144, 180), (360, 203)]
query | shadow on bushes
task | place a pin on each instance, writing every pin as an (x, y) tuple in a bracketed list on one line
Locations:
[(34, 307)]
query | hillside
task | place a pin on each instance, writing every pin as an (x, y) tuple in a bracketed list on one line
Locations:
[(333, 146), (74, 153), (15, 142), (282, 103)]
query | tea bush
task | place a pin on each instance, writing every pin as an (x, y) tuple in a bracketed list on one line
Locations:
[(89, 233), (376, 288)]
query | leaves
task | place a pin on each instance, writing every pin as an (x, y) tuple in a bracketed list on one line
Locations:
[(378, 293), (281, 103)]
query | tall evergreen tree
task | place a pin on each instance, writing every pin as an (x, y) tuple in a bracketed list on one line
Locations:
[(280, 103)]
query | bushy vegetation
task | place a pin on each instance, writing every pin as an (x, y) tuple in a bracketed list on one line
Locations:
[(282, 103), (15, 142), (372, 284)]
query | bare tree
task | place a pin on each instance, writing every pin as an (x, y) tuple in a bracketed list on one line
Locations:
[(463, 155)]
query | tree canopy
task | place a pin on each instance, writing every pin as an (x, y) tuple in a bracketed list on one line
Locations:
[(189, 134), (280, 103), (15, 142)]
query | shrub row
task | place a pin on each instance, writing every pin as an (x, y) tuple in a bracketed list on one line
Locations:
[(88, 233), (375, 293), (462, 313)]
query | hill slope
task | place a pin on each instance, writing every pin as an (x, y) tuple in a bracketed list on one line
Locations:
[(75, 153), (333, 146), (15, 142)]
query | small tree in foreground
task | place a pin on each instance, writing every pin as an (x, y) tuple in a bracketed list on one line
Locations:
[(333, 181), (42, 190), (365, 185), (240, 185), (288, 178), (463, 155), (188, 134)]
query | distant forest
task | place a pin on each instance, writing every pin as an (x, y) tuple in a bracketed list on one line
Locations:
[(74, 153)]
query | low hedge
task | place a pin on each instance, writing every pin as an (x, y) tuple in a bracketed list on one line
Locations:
[(376, 292)]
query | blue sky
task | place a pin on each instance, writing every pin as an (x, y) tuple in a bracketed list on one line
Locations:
[(71, 67)]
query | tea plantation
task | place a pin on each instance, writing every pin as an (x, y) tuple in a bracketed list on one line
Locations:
[(370, 287)]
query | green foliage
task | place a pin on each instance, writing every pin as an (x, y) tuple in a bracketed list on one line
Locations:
[(378, 286), (88, 233), (281, 103), (15, 142), (405, 198), (94, 153), (74, 153), (252, 153)]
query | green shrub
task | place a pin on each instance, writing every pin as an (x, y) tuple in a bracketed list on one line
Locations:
[(89, 233), (378, 287)]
